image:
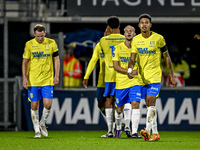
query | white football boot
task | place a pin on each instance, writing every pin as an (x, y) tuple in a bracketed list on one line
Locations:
[(43, 130)]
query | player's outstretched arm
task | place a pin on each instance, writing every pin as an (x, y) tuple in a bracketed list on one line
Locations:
[(170, 68)]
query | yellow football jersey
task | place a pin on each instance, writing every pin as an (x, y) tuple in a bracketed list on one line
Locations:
[(122, 54), (97, 55), (40, 55), (107, 44), (149, 56)]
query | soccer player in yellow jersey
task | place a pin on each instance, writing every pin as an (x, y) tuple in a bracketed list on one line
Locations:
[(107, 44), (40, 52), (98, 55), (148, 47), (127, 91)]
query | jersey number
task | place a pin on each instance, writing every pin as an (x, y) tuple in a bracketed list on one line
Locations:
[(113, 49)]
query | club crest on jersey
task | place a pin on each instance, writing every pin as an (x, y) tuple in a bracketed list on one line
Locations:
[(46, 47), (152, 43)]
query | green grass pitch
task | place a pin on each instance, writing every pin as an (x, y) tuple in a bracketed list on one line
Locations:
[(91, 140)]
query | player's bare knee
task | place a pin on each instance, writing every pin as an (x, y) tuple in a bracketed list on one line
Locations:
[(151, 103), (48, 107), (135, 105), (34, 105), (119, 110), (108, 104)]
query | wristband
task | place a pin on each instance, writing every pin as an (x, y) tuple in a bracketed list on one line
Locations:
[(130, 70)]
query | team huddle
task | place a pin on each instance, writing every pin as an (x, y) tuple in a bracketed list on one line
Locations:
[(132, 72)]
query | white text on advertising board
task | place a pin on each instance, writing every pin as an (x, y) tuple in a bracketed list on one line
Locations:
[(138, 2), (83, 112)]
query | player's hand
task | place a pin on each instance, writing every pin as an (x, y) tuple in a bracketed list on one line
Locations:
[(85, 81), (56, 80), (129, 73), (197, 36), (130, 76), (173, 82), (135, 72), (25, 83)]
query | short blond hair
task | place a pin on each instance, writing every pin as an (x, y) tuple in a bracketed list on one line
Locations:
[(39, 28), (129, 26)]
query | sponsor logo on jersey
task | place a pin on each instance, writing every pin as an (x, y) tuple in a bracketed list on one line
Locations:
[(113, 39), (140, 43), (40, 54), (145, 51), (124, 59), (34, 48)]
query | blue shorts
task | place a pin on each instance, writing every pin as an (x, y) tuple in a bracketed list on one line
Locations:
[(37, 93), (109, 89), (152, 89), (100, 92), (128, 95)]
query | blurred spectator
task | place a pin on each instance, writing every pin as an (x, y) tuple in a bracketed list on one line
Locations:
[(72, 68), (180, 67)]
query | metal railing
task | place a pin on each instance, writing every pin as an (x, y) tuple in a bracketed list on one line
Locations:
[(37, 10), (32, 10), (10, 100)]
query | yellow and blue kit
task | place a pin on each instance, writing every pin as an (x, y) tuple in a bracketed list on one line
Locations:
[(127, 90), (108, 44), (97, 55), (40, 70), (149, 52), (122, 54), (40, 56)]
